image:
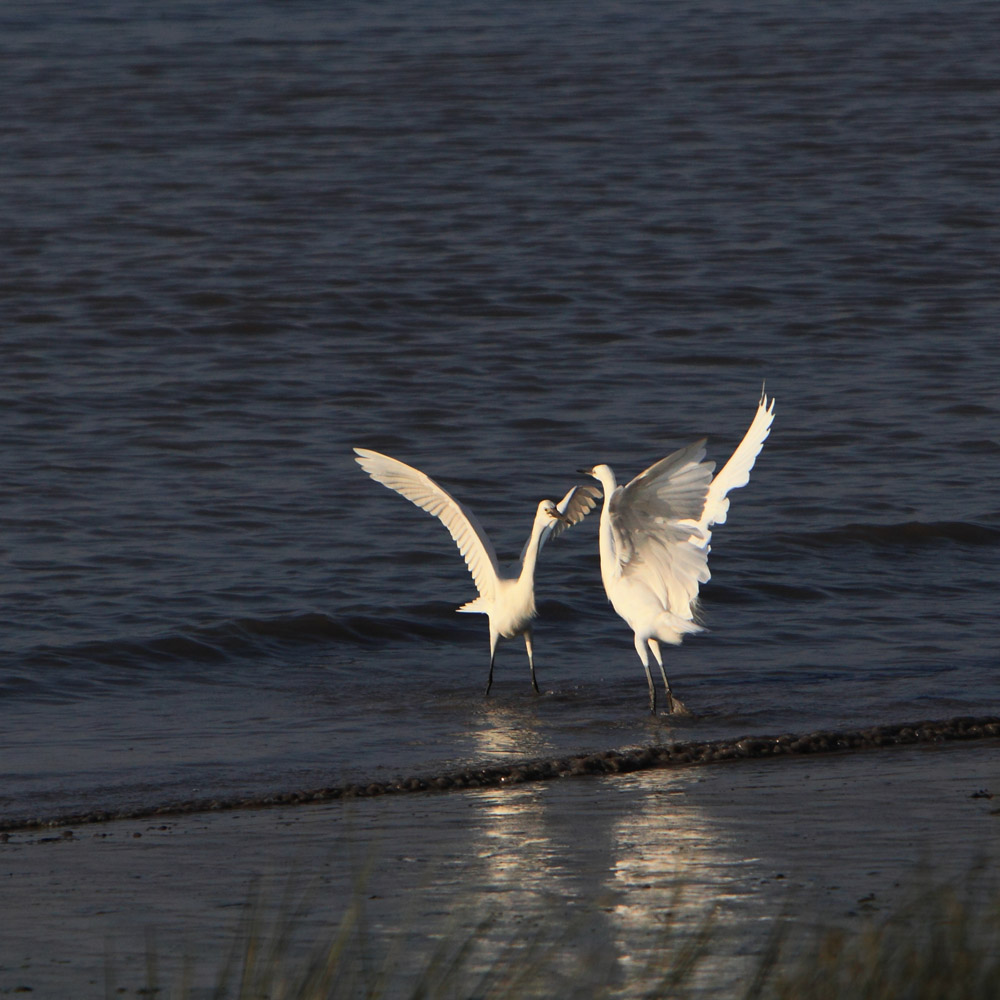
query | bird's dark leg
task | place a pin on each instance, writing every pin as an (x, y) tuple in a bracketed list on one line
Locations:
[(644, 656), (494, 637), (670, 697), (674, 705), (531, 660)]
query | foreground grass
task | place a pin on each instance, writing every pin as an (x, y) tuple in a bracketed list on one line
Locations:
[(942, 944)]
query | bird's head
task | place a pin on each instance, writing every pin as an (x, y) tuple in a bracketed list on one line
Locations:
[(603, 474), (549, 511)]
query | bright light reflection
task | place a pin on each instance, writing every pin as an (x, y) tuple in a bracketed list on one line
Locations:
[(508, 731), (671, 869), (621, 869)]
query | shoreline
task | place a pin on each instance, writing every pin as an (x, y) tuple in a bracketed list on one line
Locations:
[(678, 754), (837, 837)]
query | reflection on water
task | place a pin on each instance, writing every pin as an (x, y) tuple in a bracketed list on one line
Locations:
[(618, 882), (543, 876), (672, 870), (508, 729)]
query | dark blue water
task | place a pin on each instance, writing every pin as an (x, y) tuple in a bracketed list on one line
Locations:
[(499, 244)]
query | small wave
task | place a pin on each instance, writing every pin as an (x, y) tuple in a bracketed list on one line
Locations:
[(907, 535), (315, 627), (243, 638)]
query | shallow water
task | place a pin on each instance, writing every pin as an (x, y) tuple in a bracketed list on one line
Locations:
[(499, 245)]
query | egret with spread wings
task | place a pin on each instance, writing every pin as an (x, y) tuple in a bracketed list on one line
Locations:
[(508, 601), (655, 534)]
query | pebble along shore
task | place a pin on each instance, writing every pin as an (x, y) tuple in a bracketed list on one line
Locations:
[(606, 762)]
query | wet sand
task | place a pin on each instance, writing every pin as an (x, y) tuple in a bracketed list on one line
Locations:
[(603, 865)]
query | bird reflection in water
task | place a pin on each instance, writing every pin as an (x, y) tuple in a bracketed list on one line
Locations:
[(675, 874), (615, 872), (508, 731)]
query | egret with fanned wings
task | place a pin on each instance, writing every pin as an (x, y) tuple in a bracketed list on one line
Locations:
[(655, 534), (508, 601)]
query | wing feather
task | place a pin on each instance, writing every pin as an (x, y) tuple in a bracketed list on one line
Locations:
[(661, 521), (736, 472), (575, 506), (462, 524), (675, 487), (655, 541)]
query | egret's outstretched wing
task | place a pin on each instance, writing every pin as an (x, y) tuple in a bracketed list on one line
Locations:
[(652, 541), (673, 488), (462, 524), (736, 472), (575, 506)]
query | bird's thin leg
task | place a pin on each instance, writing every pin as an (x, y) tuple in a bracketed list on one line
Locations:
[(531, 660), (674, 705), (640, 648), (655, 647), (494, 637)]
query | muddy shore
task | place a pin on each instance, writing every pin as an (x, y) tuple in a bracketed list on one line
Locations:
[(618, 858)]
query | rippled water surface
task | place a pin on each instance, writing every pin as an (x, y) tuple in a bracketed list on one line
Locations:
[(499, 244)]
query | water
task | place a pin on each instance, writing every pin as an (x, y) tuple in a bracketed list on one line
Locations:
[(499, 244)]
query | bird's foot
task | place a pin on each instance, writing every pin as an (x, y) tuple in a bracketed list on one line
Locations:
[(676, 707)]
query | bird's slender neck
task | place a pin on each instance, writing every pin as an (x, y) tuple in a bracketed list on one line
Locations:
[(609, 561), (609, 484), (530, 560)]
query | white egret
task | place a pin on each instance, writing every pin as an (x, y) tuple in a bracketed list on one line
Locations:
[(508, 601), (655, 534)]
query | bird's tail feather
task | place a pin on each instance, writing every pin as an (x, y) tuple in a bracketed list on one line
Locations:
[(672, 628)]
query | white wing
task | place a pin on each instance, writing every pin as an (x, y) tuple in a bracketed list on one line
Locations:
[(462, 524), (736, 472), (575, 506), (651, 525)]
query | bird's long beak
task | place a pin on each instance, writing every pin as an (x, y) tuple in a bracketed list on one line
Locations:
[(585, 472), (561, 517)]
